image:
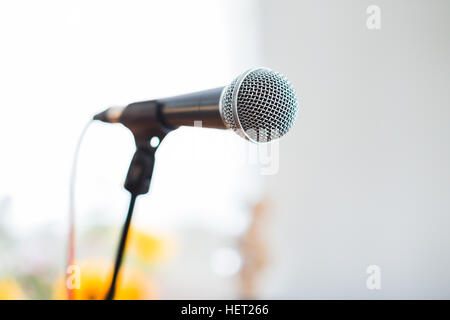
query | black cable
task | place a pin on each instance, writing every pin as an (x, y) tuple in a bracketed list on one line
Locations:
[(121, 249)]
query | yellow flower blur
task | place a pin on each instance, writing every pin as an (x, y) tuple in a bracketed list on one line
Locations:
[(95, 280), (147, 247), (10, 290)]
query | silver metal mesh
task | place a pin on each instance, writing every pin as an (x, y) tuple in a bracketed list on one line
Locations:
[(227, 106), (266, 105)]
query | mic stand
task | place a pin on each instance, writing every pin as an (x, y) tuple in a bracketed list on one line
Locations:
[(140, 171)]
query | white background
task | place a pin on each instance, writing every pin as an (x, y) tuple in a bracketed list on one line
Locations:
[(364, 175)]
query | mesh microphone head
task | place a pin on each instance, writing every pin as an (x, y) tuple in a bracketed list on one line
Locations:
[(260, 105)]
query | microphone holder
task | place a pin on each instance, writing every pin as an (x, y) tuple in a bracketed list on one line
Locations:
[(141, 167)]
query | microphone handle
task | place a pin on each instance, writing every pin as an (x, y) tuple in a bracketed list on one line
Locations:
[(172, 112), (184, 110)]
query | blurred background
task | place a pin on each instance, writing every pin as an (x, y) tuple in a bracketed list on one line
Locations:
[(363, 177)]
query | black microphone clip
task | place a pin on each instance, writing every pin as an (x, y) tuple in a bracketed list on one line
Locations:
[(145, 122)]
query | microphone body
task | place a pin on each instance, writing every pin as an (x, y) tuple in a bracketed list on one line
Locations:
[(173, 112), (184, 110)]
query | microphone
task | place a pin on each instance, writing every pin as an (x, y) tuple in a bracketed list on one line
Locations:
[(260, 105)]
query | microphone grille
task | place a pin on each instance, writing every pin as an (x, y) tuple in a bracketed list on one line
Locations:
[(260, 105)]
